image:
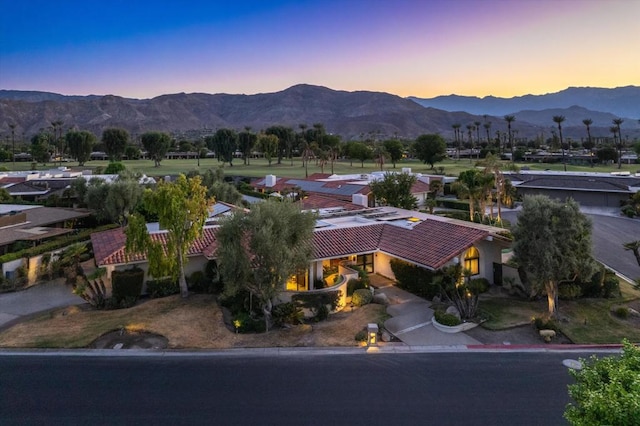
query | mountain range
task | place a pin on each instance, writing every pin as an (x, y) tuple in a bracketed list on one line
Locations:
[(353, 115)]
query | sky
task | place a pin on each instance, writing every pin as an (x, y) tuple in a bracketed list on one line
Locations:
[(421, 48)]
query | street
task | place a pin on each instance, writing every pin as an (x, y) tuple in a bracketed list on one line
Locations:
[(397, 389)]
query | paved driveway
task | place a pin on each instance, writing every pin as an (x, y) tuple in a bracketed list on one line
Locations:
[(38, 298)]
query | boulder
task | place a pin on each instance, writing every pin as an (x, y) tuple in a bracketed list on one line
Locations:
[(453, 311), (381, 299)]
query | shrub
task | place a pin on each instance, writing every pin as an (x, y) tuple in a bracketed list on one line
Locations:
[(287, 313), (162, 288), (247, 324), (127, 284), (197, 282), (478, 285), (628, 211), (94, 293), (569, 291), (361, 297), (114, 168), (318, 302), (542, 323), (444, 318), (622, 312), (354, 284), (414, 279), (610, 285), (453, 204), (361, 336)]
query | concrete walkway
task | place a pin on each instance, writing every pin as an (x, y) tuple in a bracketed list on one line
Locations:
[(41, 297), (411, 321)]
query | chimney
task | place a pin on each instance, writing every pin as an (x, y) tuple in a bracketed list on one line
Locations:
[(360, 199), (270, 181), (406, 170)]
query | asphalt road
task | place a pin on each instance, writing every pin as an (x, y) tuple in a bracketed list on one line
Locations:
[(391, 389), (609, 234)]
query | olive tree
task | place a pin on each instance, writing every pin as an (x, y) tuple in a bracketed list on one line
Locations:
[(258, 251), (552, 243)]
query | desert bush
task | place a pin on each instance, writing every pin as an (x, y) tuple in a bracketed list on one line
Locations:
[(446, 319), (361, 297), (318, 302), (361, 336), (244, 323), (622, 312), (354, 284), (287, 313), (569, 291), (93, 292), (162, 288), (542, 323)]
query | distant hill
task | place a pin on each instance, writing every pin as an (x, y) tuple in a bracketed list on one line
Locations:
[(352, 115), (621, 102)]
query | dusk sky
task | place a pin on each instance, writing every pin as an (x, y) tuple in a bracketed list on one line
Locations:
[(424, 48)]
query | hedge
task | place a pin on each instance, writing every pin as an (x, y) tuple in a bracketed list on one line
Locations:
[(453, 204), (127, 284), (414, 279), (54, 244)]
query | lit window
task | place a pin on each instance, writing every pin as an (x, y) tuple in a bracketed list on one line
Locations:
[(472, 261)]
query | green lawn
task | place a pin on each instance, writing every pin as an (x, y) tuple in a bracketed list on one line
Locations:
[(583, 320), (260, 167)]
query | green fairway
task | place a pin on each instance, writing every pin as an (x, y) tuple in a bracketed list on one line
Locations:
[(259, 167)]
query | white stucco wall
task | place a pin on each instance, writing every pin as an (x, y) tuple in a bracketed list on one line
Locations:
[(381, 265)]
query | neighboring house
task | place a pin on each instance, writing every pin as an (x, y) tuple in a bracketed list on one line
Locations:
[(34, 224), (39, 185), (349, 188), (368, 237), (588, 189)]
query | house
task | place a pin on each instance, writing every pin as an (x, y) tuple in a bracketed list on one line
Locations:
[(367, 237), (349, 188), (588, 189)]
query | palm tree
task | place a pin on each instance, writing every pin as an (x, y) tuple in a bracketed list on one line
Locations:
[(558, 119), (510, 119), (588, 122), (618, 122), (470, 129), (477, 124), (12, 126), (487, 128), (456, 132)]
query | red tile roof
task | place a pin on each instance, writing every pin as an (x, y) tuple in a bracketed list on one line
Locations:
[(338, 242), (431, 243), (317, 201), (109, 246)]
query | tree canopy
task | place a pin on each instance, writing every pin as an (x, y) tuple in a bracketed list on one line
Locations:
[(182, 208), (115, 142), (258, 251), (268, 144), (224, 143), (430, 149), (607, 390), (80, 145), (394, 189), (157, 145), (552, 243), (395, 149)]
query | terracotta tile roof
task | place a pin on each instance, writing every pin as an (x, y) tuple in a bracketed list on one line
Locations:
[(430, 243), (420, 187), (317, 201), (109, 246), (338, 242)]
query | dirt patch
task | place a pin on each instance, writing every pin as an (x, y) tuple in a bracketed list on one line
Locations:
[(521, 335), (124, 339)]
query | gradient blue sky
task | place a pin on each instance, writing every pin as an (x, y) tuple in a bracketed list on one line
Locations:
[(420, 47)]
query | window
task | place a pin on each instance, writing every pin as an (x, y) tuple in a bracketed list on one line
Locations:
[(472, 260), (365, 261), (298, 282)]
